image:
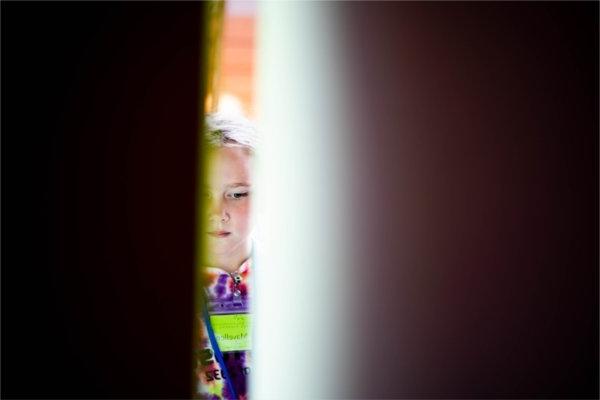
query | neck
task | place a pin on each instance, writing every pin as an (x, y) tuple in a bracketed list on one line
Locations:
[(230, 262)]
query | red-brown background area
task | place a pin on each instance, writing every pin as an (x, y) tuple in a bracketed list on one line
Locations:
[(474, 134)]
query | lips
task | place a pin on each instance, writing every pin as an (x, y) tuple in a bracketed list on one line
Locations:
[(219, 234)]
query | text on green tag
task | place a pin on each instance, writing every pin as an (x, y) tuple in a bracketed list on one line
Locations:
[(232, 331)]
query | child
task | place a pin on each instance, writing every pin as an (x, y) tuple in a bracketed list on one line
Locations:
[(223, 357)]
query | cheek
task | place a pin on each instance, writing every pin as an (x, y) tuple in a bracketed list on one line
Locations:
[(242, 217)]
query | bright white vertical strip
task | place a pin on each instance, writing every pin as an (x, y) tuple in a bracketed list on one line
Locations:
[(299, 325)]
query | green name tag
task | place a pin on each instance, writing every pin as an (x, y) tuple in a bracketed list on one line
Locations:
[(232, 331)]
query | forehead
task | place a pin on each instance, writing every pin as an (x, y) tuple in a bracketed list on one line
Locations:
[(229, 165)]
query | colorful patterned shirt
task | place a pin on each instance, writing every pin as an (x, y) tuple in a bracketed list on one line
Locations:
[(228, 304)]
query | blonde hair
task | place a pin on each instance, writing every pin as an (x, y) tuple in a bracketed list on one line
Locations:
[(223, 130)]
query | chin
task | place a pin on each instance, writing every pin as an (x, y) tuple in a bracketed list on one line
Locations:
[(219, 250)]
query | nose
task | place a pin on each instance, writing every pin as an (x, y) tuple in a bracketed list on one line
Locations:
[(218, 212)]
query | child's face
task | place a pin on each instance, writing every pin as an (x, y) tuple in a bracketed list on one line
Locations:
[(229, 198)]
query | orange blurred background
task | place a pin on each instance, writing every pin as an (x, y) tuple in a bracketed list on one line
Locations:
[(236, 63)]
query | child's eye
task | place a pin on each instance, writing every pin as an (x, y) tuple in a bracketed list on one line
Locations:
[(238, 195)]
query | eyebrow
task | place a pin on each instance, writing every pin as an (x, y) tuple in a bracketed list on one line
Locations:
[(238, 184)]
